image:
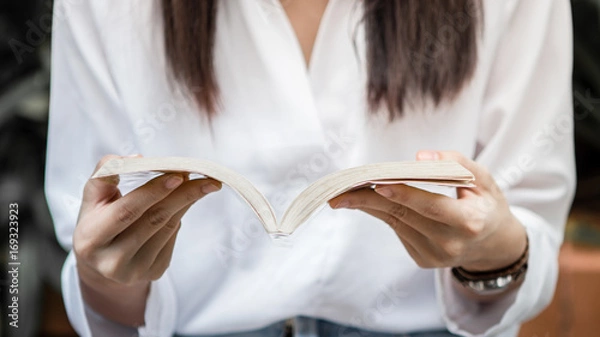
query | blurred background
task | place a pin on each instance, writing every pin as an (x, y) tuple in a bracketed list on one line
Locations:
[(25, 31)]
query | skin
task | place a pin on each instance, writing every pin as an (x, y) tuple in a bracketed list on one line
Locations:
[(305, 17), (122, 243), (476, 231)]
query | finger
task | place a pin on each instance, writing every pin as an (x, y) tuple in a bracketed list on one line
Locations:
[(165, 213), (151, 248), (434, 206), (129, 208), (412, 252), (417, 245), (146, 255), (138, 266), (401, 229), (483, 178), (367, 198), (340, 200), (100, 190), (163, 259)]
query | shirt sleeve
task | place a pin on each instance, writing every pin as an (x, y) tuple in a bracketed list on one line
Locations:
[(87, 121), (526, 140)]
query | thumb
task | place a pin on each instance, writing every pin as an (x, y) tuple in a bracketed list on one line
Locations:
[(101, 190), (483, 179)]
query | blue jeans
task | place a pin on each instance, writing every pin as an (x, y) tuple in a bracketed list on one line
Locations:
[(310, 327)]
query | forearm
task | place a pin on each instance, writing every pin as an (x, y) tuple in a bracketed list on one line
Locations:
[(123, 304)]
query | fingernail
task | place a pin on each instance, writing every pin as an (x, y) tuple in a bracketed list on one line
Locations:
[(133, 155), (173, 181), (209, 188), (384, 191), (428, 155), (342, 204)]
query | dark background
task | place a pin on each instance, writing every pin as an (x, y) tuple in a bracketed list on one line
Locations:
[(24, 85)]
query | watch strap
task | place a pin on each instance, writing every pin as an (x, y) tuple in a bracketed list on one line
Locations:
[(493, 281)]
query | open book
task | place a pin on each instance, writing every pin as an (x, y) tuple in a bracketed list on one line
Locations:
[(448, 173)]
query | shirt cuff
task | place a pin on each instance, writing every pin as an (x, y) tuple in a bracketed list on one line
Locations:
[(160, 312), (504, 316), (161, 309)]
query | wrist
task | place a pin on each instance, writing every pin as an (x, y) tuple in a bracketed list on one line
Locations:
[(92, 278), (121, 303), (485, 285), (501, 250)]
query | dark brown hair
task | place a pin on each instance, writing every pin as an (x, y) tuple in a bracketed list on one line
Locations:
[(416, 49)]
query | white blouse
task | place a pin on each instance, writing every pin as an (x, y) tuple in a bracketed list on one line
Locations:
[(283, 126)]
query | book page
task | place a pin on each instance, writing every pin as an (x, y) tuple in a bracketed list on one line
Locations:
[(448, 173), (236, 181)]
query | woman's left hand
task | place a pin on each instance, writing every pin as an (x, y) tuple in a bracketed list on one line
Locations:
[(476, 231)]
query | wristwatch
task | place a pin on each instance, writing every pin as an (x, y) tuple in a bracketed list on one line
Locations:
[(495, 281)]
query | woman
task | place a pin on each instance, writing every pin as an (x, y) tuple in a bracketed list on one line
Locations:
[(286, 92)]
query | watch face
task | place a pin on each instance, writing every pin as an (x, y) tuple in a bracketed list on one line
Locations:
[(489, 283), (503, 281), (488, 286)]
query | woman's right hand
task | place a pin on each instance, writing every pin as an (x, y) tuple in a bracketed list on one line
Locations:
[(122, 243)]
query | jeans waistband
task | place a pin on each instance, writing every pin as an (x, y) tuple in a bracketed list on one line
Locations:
[(312, 327)]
